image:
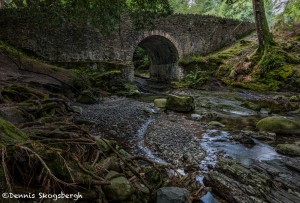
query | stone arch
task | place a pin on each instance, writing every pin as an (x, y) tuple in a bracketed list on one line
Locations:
[(164, 53)]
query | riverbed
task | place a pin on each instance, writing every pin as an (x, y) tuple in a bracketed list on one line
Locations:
[(186, 140)]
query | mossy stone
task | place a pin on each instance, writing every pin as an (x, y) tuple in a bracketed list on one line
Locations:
[(10, 134), (279, 125), (119, 189), (180, 103), (160, 103), (288, 149)]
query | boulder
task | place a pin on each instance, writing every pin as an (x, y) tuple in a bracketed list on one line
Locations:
[(160, 103), (180, 103), (279, 125), (119, 189), (172, 195), (288, 149)]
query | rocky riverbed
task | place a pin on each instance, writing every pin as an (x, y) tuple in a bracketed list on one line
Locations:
[(190, 141)]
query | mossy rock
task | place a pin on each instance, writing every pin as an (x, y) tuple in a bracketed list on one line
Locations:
[(288, 149), (10, 134), (180, 103), (119, 189), (131, 90), (279, 125), (160, 103)]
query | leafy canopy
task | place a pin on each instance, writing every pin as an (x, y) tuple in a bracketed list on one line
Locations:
[(103, 14)]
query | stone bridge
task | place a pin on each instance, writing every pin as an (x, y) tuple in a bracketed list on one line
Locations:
[(172, 37)]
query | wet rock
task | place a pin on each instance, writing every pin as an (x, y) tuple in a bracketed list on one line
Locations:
[(172, 195), (119, 189), (216, 123), (279, 125), (180, 103), (160, 103), (251, 105), (264, 136), (265, 111), (150, 110), (266, 181), (196, 117), (244, 137), (288, 149)]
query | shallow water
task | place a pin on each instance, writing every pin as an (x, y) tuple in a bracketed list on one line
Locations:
[(141, 143), (215, 141)]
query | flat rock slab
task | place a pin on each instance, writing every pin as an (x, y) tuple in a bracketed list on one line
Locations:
[(268, 181), (172, 195)]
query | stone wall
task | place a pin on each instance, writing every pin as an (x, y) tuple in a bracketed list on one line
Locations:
[(172, 37)]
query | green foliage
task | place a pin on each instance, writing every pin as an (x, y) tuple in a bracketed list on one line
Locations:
[(292, 11), (141, 59), (84, 78), (195, 79), (131, 90), (103, 14)]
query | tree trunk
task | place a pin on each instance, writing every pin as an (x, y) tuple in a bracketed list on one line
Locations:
[(265, 38), (1, 4)]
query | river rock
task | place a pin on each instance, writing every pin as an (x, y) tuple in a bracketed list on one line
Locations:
[(265, 111), (216, 123), (172, 195), (279, 125), (180, 103), (262, 181), (160, 103), (196, 116), (119, 189), (288, 149)]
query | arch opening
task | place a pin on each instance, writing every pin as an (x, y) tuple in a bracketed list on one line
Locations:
[(162, 56)]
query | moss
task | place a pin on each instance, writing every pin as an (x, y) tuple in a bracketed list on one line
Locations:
[(288, 149), (20, 93), (10, 134), (10, 49), (255, 86), (270, 61), (194, 79), (279, 125), (281, 73), (132, 90)]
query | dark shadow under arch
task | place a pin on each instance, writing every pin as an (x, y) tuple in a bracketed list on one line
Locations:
[(163, 57)]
